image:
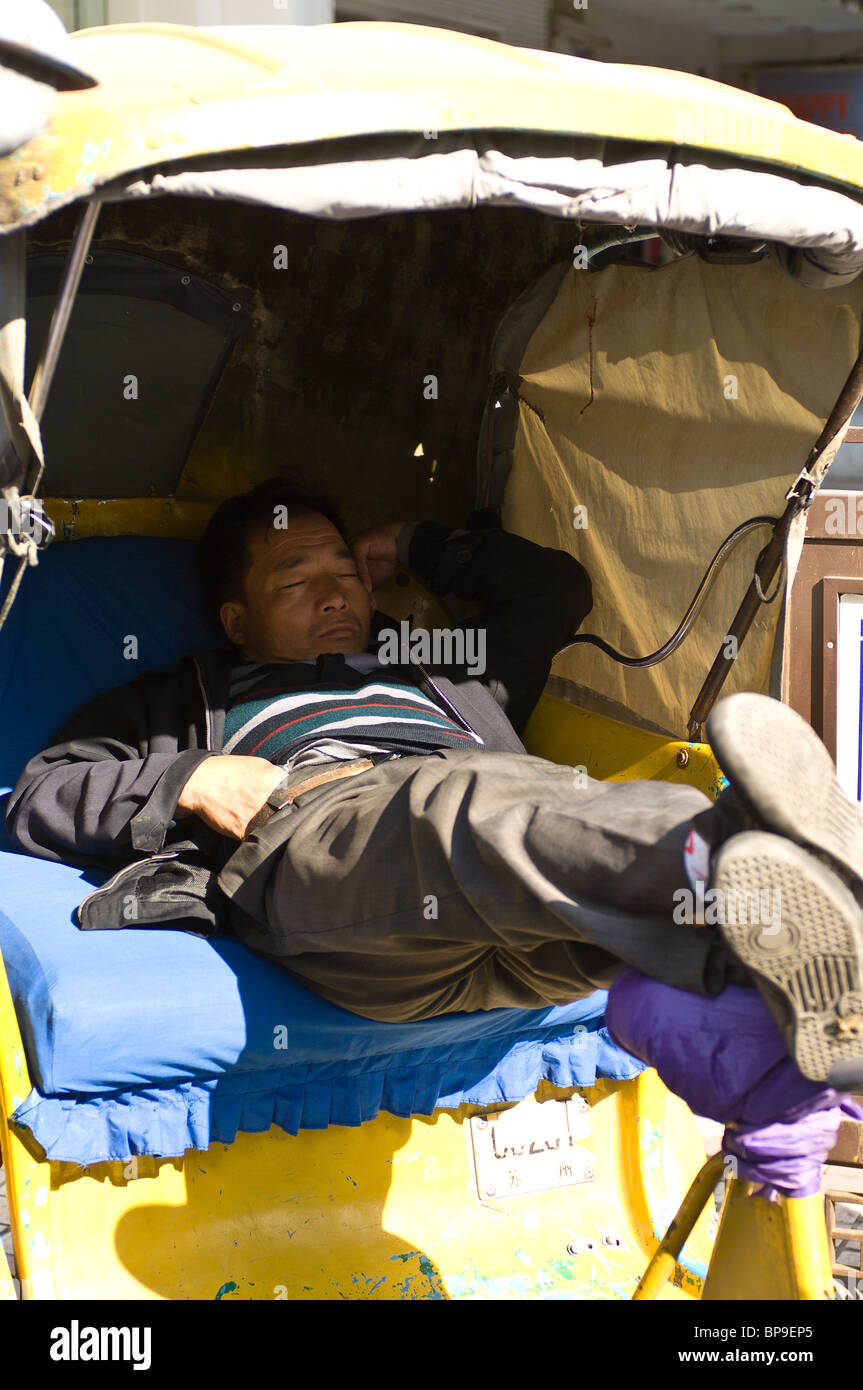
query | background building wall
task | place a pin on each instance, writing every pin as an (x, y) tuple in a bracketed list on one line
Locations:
[(738, 54), (85, 14), (614, 34), (517, 22)]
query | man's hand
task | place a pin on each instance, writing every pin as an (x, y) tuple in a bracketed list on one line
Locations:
[(375, 553), (226, 791)]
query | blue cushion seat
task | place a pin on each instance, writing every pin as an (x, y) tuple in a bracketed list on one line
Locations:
[(147, 1041)]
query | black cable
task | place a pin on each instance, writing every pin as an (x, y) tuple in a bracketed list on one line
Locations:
[(692, 611)]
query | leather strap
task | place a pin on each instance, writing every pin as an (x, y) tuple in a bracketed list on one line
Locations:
[(286, 794)]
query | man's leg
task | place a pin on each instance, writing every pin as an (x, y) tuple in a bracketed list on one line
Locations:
[(476, 880)]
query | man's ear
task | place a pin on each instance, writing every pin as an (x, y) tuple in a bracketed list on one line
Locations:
[(233, 616)]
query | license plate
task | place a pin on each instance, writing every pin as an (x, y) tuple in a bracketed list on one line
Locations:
[(532, 1148)]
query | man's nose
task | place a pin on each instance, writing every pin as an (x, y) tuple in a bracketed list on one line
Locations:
[(332, 595)]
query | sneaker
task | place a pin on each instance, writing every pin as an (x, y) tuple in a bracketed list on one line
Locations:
[(799, 930), (784, 777)]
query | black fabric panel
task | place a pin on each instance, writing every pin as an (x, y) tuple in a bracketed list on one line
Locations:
[(134, 317)]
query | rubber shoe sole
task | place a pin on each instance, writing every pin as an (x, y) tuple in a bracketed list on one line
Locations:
[(799, 930), (785, 778)]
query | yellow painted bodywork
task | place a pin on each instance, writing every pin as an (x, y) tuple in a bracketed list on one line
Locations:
[(80, 518), (169, 93), (614, 752), (388, 1210), (770, 1251)]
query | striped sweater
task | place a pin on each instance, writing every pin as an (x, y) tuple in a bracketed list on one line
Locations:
[(337, 706)]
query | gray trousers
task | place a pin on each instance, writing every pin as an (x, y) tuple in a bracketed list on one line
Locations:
[(465, 880)]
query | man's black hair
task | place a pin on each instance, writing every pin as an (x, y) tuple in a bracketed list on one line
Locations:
[(223, 550)]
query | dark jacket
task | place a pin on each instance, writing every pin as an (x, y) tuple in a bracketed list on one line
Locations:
[(105, 793)]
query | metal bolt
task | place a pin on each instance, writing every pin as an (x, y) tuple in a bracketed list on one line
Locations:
[(573, 1248), (185, 279), (236, 307), (683, 757), (88, 260), (611, 1240)]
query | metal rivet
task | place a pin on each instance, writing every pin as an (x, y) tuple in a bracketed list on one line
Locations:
[(88, 260), (683, 757), (236, 307), (490, 1190), (481, 1123), (185, 279), (611, 1240), (588, 1172), (573, 1248)]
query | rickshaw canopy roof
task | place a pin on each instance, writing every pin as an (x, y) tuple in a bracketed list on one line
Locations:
[(170, 94)]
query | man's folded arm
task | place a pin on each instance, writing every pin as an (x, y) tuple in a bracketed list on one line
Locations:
[(107, 789), (534, 599)]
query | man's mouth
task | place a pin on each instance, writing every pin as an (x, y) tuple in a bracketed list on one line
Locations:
[(340, 630)]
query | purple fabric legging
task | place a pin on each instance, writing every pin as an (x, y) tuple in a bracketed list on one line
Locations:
[(726, 1058)]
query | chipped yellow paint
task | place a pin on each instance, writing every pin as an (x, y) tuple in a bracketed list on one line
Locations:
[(79, 518)]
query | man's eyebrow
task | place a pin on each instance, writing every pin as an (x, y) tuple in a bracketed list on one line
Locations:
[(291, 562)]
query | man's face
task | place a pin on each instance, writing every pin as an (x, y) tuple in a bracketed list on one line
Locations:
[(303, 594)]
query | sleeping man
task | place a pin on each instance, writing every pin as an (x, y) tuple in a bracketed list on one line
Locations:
[(360, 808)]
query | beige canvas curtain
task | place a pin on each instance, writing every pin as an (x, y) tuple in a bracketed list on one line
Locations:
[(677, 402)]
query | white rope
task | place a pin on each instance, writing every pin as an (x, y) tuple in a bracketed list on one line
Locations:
[(24, 527)]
